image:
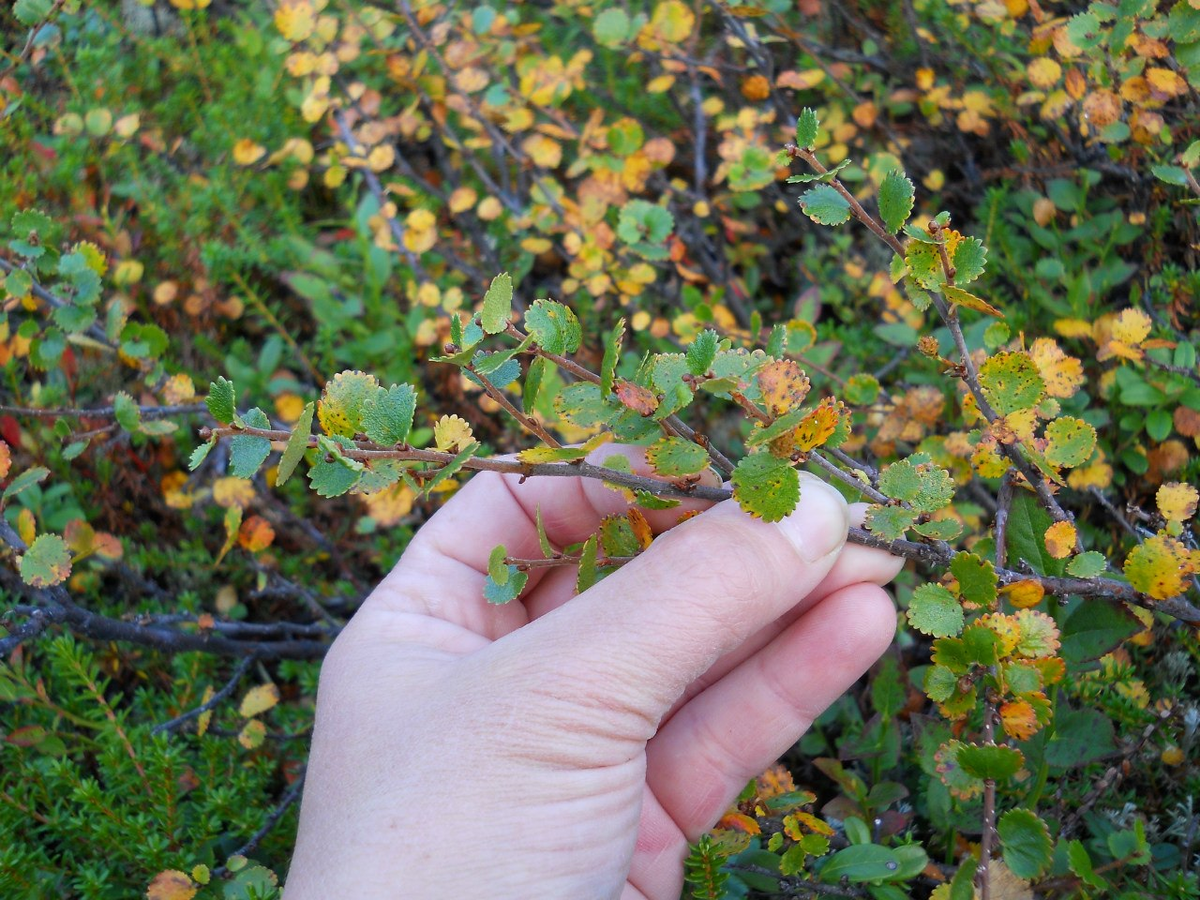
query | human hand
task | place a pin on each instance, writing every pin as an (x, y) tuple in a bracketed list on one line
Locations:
[(562, 746)]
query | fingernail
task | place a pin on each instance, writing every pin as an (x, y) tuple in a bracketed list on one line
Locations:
[(818, 526)]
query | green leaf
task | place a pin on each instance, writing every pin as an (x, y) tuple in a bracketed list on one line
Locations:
[(199, 454), (498, 593), (1025, 841), (31, 12), (1070, 441), (247, 452), (18, 283), (862, 389), (1087, 565), (582, 406), (452, 468), (543, 538), (895, 200), (940, 683), (497, 304), (73, 449), (1094, 628), (991, 763), (935, 611), (388, 414), (861, 862), (296, 445), (702, 352), (553, 326), (1080, 864), (498, 569), (588, 575), (806, 129), (333, 474), (1027, 524), (611, 28), (126, 412), (33, 230), (918, 481), (612, 355), (46, 562), (976, 578), (24, 481), (1011, 382), (1170, 174), (969, 260), (939, 529), (647, 500), (534, 377), (889, 522), (824, 205), (221, 401), (675, 457), (766, 487)]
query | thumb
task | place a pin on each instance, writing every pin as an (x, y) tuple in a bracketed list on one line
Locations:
[(638, 638)]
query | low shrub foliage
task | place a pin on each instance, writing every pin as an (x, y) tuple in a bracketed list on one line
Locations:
[(276, 281)]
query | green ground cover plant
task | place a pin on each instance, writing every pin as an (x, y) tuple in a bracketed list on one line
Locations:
[(278, 277)]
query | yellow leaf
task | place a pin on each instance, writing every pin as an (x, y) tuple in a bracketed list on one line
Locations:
[(171, 885), (451, 432), (1177, 501), (462, 199), (27, 526), (1043, 72), (247, 153), (489, 208), (203, 720), (1024, 594), (253, 734), (5, 460), (296, 19), (1166, 81), (1060, 540), (545, 152), (389, 506), (1063, 374), (258, 700), (230, 492), (1073, 328), (381, 158), (178, 389), (783, 385), (1161, 566), (672, 21), (1132, 326)]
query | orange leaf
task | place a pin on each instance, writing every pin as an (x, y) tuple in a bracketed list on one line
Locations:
[(739, 822), (784, 386), (633, 396), (1024, 594), (1018, 719), (255, 534), (1060, 540)]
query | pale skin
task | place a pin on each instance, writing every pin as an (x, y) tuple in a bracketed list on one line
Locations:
[(568, 746)]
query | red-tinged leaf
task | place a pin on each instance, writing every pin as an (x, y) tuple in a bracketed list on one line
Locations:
[(27, 736), (633, 396)]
